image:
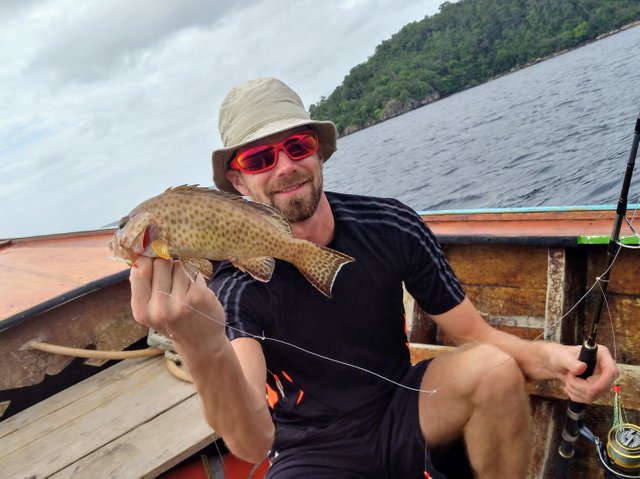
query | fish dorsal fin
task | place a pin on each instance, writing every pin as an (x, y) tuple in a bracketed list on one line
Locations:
[(270, 214)]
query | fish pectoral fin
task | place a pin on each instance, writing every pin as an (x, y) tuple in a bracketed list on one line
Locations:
[(193, 266), (261, 268), (161, 248)]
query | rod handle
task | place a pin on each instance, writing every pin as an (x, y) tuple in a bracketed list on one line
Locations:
[(575, 413), (588, 354)]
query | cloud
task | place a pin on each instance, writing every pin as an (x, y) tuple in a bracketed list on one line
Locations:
[(16, 8), (106, 103), (93, 40)]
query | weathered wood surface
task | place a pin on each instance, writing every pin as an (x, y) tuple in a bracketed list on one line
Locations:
[(622, 309), (132, 420), (50, 266), (540, 292), (543, 224), (100, 320)]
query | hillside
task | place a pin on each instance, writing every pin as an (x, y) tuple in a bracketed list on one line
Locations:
[(465, 44)]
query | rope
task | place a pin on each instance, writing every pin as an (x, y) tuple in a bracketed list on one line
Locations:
[(92, 353), (172, 361), (171, 358)]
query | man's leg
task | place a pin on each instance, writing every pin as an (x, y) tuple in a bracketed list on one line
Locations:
[(479, 393)]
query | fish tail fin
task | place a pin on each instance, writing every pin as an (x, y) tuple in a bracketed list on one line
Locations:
[(319, 264)]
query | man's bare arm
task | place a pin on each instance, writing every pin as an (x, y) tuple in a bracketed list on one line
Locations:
[(229, 377)]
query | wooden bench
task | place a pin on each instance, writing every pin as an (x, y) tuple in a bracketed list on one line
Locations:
[(131, 420)]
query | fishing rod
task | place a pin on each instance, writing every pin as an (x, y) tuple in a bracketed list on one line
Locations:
[(622, 457)]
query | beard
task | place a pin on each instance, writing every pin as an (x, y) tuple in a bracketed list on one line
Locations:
[(302, 207)]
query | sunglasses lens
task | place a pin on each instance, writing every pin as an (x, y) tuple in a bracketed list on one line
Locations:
[(300, 146), (256, 159), (262, 158)]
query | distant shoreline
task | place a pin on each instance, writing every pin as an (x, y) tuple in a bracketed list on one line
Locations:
[(566, 50), (436, 97)]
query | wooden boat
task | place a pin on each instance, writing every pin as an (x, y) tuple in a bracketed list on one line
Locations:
[(525, 269)]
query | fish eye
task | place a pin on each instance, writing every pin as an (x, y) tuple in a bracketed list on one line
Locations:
[(123, 222)]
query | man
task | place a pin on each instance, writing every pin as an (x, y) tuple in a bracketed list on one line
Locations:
[(346, 402)]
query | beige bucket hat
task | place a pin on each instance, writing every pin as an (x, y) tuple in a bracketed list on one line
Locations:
[(257, 109)]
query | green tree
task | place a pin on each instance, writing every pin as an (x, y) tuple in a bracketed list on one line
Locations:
[(464, 44)]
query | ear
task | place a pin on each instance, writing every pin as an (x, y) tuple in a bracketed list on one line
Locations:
[(236, 179)]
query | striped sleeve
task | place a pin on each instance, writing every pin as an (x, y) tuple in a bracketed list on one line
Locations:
[(233, 289), (428, 275)]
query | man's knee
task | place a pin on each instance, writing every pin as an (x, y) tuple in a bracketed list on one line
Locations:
[(499, 379)]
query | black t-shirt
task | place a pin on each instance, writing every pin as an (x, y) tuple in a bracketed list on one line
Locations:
[(363, 325)]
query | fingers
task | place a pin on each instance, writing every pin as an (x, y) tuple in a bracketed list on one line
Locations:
[(607, 373), (589, 389), (577, 367), (164, 298), (162, 276), (140, 279), (152, 286), (180, 281)]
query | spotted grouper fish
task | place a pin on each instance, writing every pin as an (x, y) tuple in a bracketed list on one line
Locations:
[(196, 224)]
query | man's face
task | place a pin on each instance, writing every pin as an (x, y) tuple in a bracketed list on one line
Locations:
[(292, 187)]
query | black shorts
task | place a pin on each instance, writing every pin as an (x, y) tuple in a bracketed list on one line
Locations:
[(387, 444)]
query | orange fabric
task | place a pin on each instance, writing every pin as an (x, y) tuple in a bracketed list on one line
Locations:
[(234, 469), (272, 396)]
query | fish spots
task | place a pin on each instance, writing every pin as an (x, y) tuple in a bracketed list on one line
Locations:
[(200, 223)]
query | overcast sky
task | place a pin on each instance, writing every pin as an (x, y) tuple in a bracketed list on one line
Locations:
[(107, 102)]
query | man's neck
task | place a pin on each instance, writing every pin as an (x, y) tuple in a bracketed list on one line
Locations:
[(319, 228)]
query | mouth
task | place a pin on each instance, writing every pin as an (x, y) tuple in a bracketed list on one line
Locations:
[(291, 189)]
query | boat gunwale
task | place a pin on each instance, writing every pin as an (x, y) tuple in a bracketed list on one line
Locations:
[(43, 307)]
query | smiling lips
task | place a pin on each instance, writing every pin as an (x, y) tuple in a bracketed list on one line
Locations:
[(289, 185), (291, 188)]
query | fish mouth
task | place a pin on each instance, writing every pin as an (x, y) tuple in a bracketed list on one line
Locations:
[(126, 253), (131, 241)]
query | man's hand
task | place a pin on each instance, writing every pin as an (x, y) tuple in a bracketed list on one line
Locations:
[(564, 363), (165, 299)]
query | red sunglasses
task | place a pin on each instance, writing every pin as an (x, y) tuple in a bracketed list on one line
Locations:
[(264, 157)]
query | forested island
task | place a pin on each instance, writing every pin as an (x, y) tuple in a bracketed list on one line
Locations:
[(465, 44)]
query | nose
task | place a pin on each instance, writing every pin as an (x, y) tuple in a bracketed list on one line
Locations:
[(285, 164)]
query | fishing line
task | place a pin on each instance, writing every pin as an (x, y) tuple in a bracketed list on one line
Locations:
[(597, 282), (324, 357), (613, 333), (263, 337), (304, 350)]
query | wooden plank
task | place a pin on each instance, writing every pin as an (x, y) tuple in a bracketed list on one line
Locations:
[(542, 224), (157, 446), (624, 273), (507, 301), (618, 327), (67, 397), (555, 297), (505, 266), (118, 406), (544, 437)]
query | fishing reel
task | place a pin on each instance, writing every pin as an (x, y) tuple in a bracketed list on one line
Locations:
[(620, 458)]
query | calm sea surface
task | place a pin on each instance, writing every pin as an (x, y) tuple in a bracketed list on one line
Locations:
[(556, 133)]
